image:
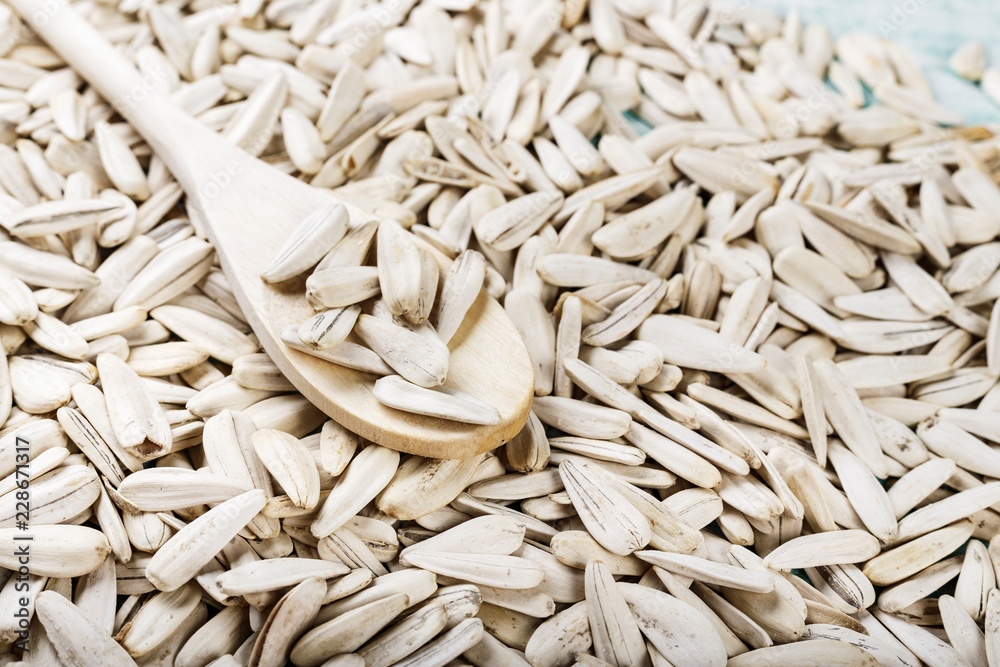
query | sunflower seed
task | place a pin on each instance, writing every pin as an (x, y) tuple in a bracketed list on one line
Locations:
[(405, 637), (347, 632), (444, 402), (615, 523), (367, 474), (180, 558), (833, 548), (316, 236), (290, 464), (897, 564), (139, 423), (419, 359), (662, 617)]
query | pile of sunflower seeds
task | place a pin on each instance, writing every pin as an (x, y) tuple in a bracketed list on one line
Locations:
[(765, 336)]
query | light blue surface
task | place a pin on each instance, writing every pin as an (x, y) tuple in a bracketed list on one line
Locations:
[(931, 29)]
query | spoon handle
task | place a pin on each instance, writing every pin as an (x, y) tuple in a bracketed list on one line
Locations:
[(191, 151)]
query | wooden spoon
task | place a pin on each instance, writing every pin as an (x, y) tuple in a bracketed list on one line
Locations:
[(247, 209)]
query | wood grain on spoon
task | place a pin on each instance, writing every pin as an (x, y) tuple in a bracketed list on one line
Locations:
[(247, 209)]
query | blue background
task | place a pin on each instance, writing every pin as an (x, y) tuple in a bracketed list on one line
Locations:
[(930, 29)]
